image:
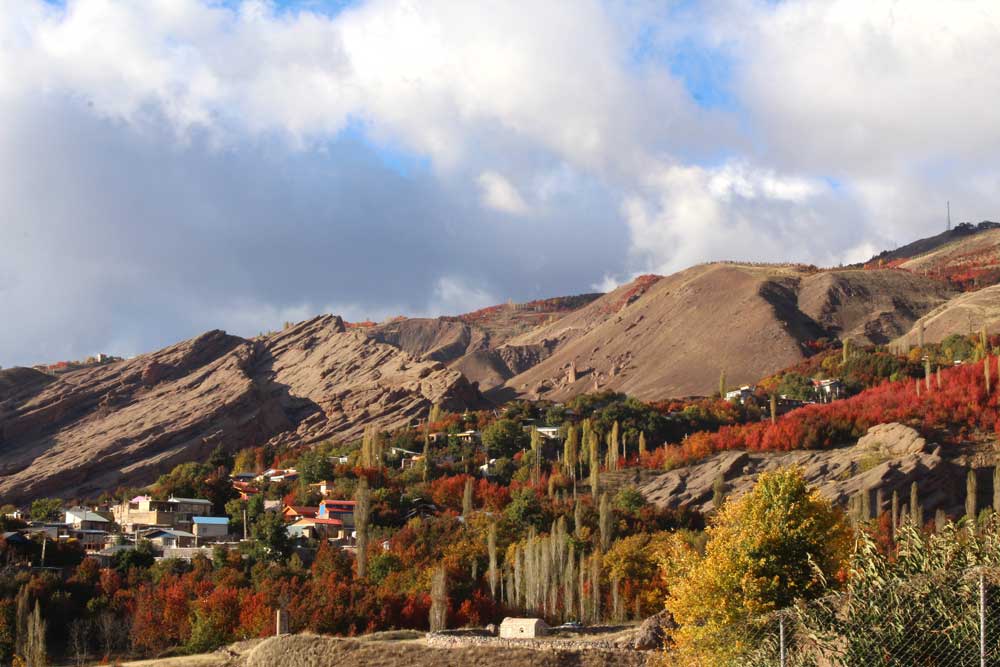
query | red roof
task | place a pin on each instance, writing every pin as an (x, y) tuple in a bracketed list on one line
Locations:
[(322, 522), (343, 503)]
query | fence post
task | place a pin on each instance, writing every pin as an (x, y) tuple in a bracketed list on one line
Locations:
[(982, 620), (781, 638)]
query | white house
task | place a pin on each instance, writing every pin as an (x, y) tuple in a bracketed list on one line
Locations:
[(523, 628)]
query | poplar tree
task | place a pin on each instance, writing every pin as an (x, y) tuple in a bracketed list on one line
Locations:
[(970, 497), (362, 509), (774, 408), (571, 449), (35, 651), (595, 465), (722, 384), (467, 499), (917, 510), (642, 444), (439, 600), (427, 452), (536, 455), (605, 522), (491, 548), (614, 444)]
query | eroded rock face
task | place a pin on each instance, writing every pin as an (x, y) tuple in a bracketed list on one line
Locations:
[(889, 457), (125, 423)]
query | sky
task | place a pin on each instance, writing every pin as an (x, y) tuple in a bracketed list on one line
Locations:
[(173, 166)]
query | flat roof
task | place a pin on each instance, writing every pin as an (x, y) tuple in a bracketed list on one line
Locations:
[(211, 520)]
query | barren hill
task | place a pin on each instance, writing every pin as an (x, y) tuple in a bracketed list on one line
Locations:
[(966, 313), (127, 422), (669, 336), (474, 343)]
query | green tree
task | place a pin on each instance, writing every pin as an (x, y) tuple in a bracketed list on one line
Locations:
[(504, 438), (271, 537), (314, 466), (221, 458), (46, 509)]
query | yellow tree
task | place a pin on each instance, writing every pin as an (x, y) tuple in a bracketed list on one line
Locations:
[(779, 543)]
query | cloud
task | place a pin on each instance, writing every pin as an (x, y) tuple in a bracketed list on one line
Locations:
[(498, 193), (177, 165)]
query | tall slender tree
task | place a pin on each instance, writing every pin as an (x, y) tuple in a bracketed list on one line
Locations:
[(970, 497), (439, 600), (467, 499), (604, 513), (491, 549), (362, 510)]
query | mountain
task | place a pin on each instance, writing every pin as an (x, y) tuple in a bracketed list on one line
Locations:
[(669, 336), (127, 422)]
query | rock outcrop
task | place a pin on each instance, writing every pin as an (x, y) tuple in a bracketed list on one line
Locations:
[(125, 423), (889, 457)]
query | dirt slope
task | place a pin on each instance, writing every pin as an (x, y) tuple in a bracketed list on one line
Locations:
[(127, 422), (869, 306), (673, 335), (965, 313)]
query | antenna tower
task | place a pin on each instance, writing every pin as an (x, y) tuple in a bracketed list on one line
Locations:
[(949, 216)]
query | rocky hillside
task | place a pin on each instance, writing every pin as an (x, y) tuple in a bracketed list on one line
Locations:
[(127, 422), (890, 457)]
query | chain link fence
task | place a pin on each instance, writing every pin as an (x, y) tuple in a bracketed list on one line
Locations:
[(949, 619)]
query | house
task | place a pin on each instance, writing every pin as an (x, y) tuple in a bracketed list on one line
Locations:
[(296, 512), (469, 437), (342, 510), (740, 395), (245, 489), (80, 518), (323, 488), (523, 628), (243, 477), (169, 538), (144, 512), (548, 432), (318, 529), (829, 390), (488, 467), (89, 539), (408, 462), (278, 474), (210, 528)]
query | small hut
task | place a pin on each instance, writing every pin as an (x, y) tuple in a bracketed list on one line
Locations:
[(523, 628)]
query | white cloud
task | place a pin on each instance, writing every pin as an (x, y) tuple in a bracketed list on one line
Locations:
[(498, 193), (196, 163)]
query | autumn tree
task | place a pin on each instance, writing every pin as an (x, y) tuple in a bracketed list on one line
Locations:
[(779, 542)]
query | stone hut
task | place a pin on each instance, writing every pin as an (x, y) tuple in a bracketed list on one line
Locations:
[(523, 628)]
